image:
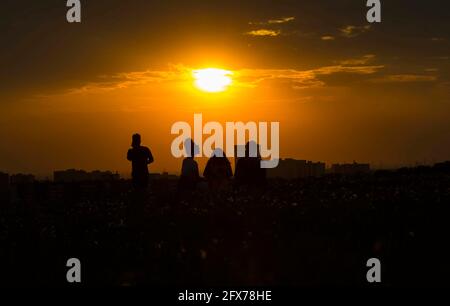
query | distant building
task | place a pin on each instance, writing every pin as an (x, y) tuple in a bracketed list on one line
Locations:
[(56, 192), (21, 187), (350, 169), (154, 176), (73, 175), (443, 166), (103, 176), (4, 188), (4, 181), (291, 169), (167, 176), (20, 178), (162, 176)]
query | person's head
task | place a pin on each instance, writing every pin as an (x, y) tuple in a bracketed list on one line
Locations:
[(136, 140), (218, 153), (191, 148), (252, 149)]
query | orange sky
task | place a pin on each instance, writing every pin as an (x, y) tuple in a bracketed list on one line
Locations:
[(341, 90)]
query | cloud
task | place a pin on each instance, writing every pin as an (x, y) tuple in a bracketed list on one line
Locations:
[(440, 58), (327, 37), (274, 21), (405, 78), (250, 78), (351, 31), (281, 20), (267, 29), (129, 79), (300, 79), (438, 39), (264, 32), (431, 70), (358, 61)]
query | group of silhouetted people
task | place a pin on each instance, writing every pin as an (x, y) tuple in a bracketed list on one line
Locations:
[(218, 172)]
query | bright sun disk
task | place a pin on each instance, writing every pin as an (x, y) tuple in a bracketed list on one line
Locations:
[(212, 79)]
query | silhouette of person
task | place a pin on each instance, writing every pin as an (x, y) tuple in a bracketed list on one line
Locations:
[(248, 171), (218, 171), (140, 158), (189, 170)]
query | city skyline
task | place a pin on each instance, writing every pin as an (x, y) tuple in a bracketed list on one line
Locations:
[(287, 168)]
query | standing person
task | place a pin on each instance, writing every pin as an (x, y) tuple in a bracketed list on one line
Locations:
[(248, 172), (189, 170), (218, 171), (140, 158)]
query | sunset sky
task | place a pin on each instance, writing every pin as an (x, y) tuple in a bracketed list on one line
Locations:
[(71, 95)]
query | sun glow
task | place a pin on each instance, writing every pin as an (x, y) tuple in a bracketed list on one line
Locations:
[(212, 79)]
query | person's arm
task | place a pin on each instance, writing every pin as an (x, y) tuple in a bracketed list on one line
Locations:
[(150, 157), (129, 155)]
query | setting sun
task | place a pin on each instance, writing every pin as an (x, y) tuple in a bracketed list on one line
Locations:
[(212, 79)]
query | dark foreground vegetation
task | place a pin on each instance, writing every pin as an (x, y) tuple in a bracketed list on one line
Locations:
[(305, 232)]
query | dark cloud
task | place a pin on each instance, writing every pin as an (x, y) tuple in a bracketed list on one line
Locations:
[(40, 49)]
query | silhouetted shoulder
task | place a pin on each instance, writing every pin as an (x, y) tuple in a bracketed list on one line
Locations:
[(130, 154), (148, 153)]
